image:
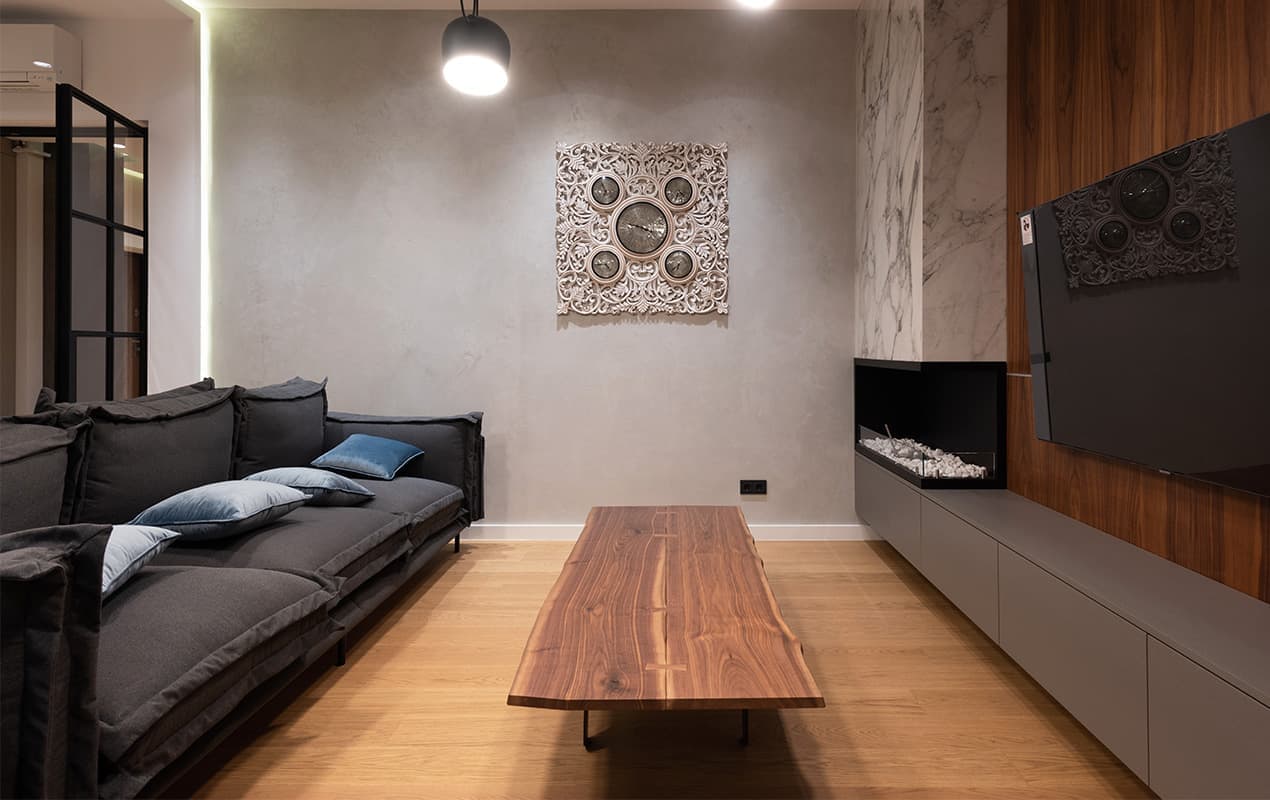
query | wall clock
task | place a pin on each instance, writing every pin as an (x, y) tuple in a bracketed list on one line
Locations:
[(641, 228)]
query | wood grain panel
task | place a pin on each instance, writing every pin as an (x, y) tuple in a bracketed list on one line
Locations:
[(663, 608), (1093, 87)]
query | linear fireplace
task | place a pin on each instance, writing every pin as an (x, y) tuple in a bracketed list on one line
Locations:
[(937, 424)]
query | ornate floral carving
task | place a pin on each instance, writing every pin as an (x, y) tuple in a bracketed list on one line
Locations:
[(1204, 185), (701, 227)]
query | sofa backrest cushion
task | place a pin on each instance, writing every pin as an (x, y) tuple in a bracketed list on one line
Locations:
[(140, 452), (34, 463), (46, 400), (279, 426)]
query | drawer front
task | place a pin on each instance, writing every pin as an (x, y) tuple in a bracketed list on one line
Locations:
[(1092, 661), (1208, 739), (890, 506), (961, 561)]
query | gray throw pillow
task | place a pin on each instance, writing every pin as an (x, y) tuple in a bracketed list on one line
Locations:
[(130, 548), (223, 509), (323, 488)]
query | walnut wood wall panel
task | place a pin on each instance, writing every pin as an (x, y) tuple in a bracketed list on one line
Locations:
[(1095, 85)]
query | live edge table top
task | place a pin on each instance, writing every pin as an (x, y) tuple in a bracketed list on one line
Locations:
[(662, 608)]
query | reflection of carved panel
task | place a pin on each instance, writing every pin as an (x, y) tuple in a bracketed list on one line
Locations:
[(1204, 185), (584, 226)]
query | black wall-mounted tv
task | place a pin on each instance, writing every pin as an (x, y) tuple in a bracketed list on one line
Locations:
[(1148, 309)]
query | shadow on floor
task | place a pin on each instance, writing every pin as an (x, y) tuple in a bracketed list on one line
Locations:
[(666, 754)]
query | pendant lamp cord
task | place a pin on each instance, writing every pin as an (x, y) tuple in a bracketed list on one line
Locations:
[(476, 8)]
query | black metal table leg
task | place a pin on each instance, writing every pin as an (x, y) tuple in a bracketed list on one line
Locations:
[(745, 727), (586, 729)]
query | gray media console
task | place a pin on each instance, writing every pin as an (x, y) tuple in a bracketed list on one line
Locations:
[(1169, 669)]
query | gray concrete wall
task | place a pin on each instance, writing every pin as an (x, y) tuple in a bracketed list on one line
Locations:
[(372, 225)]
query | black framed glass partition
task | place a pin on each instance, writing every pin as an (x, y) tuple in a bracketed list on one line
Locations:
[(102, 266)]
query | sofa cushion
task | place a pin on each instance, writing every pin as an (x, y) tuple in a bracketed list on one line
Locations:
[(130, 548), (46, 400), (50, 611), (279, 426), (34, 462), (369, 456), (431, 504), (180, 647), (223, 509), (140, 452), (341, 547), (323, 487)]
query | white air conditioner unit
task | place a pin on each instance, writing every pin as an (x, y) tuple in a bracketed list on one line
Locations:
[(35, 58)]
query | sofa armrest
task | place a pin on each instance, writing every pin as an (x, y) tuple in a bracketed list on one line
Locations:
[(454, 449), (50, 604)]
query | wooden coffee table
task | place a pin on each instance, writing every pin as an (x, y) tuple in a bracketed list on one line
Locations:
[(663, 608)]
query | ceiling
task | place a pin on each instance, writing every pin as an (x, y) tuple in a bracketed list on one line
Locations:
[(33, 10), (525, 5)]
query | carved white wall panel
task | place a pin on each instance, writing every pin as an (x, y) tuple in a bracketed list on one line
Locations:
[(666, 223)]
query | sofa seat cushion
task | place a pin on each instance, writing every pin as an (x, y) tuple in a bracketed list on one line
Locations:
[(431, 504), (180, 647), (340, 546)]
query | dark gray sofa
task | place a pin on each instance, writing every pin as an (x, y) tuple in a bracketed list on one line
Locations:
[(114, 699)]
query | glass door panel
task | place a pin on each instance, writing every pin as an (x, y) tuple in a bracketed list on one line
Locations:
[(88, 276), (101, 251)]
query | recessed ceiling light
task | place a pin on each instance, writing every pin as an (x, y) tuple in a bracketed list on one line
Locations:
[(758, 4), (120, 146), (42, 64)]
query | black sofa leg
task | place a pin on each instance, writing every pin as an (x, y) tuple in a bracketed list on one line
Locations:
[(341, 652), (456, 541)]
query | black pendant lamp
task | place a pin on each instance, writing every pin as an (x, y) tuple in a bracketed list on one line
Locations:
[(476, 53)]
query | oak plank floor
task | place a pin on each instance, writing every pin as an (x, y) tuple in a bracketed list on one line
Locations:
[(919, 703)]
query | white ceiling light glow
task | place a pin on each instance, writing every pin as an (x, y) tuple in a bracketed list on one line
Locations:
[(42, 64), (757, 4), (476, 53)]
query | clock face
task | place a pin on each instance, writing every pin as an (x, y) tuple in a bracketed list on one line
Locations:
[(642, 228), (605, 265), (678, 191), (679, 264), (605, 190)]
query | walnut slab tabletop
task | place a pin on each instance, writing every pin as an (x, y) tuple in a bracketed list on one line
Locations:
[(663, 608)]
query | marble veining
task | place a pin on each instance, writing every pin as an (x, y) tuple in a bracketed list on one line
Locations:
[(889, 191), (930, 199), (963, 181)]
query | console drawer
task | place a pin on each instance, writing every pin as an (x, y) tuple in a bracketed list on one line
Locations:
[(1091, 660), (1208, 739), (891, 507), (961, 561)]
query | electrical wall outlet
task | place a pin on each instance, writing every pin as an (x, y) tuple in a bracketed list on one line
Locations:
[(753, 487)]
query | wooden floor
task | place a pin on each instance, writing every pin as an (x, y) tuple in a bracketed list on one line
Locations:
[(920, 704)]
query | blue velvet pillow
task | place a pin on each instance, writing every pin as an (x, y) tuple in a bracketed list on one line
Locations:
[(224, 509), (129, 548), (323, 488), (372, 456)]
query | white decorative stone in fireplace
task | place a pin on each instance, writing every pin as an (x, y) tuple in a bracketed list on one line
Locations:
[(642, 228)]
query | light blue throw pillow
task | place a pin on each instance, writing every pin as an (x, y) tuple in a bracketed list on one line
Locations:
[(129, 548), (372, 456), (323, 488), (224, 509)]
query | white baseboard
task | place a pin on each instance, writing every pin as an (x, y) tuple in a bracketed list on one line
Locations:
[(531, 532)]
